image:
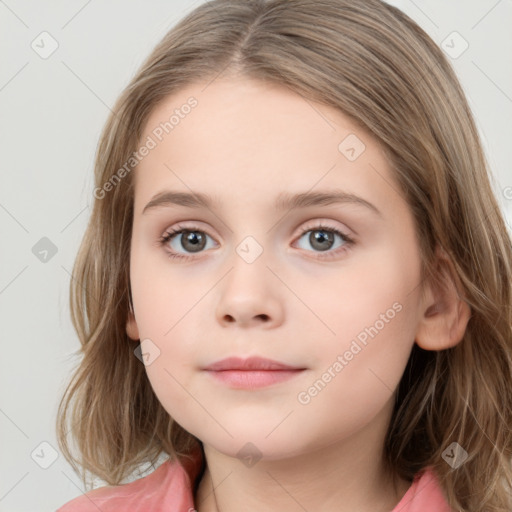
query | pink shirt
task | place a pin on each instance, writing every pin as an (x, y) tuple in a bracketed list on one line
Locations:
[(169, 488)]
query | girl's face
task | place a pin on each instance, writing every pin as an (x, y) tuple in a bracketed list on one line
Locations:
[(259, 277)]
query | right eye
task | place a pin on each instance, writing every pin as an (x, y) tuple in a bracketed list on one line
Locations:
[(190, 238)]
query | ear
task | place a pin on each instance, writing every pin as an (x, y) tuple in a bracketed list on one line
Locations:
[(445, 313), (131, 326)]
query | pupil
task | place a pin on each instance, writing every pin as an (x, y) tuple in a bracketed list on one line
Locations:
[(321, 238), (197, 241)]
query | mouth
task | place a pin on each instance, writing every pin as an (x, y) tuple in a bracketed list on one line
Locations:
[(252, 363), (251, 373)]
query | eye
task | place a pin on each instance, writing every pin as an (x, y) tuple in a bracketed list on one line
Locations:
[(194, 240), (322, 238)]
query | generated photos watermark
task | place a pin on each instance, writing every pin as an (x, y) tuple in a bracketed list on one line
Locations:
[(150, 143), (343, 360)]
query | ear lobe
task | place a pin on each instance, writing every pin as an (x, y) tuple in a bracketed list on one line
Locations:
[(446, 313), (131, 326)]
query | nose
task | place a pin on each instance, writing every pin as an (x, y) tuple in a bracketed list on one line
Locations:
[(250, 295)]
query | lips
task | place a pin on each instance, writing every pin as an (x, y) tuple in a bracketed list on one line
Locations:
[(252, 373), (252, 363)]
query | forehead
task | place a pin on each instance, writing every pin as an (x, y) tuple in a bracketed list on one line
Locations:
[(237, 136)]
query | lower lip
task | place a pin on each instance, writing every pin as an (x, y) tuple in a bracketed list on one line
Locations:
[(253, 379)]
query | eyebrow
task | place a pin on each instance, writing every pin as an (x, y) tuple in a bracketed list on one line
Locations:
[(284, 201)]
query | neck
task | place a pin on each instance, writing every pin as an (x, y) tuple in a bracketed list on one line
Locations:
[(345, 476)]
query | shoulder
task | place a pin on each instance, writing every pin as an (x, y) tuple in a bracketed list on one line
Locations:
[(167, 485), (425, 493)]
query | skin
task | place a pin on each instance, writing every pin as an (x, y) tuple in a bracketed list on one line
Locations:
[(244, 143)]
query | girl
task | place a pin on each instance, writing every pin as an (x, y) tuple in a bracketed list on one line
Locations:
[(338, 334)]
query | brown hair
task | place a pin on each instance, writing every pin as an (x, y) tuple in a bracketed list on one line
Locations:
[(376, 65)]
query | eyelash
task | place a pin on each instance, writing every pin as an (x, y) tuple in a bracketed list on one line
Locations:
[(171, 233)]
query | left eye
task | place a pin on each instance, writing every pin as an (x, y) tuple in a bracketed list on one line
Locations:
[(193, 240), (322, 238)]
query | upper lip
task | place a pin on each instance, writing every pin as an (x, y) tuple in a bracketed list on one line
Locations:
[(251, 363)]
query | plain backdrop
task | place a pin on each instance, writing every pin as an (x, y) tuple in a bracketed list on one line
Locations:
[(52, 111)]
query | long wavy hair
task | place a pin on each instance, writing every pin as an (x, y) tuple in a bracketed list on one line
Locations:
[(376, 65)]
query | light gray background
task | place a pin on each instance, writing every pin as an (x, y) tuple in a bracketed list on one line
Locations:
[(52, 113)]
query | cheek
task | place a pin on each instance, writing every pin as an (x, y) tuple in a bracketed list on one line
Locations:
[(165, 315), (164, 322), (359, 370), (376, 298), (171, 372), (163, 293), (373, 320)]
